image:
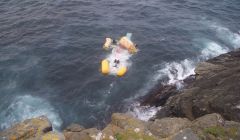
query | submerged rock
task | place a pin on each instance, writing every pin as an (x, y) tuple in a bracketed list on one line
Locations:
[(216, 89)]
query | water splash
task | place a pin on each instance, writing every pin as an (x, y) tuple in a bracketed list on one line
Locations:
[(176, 72), (26, 107), (143, 112)]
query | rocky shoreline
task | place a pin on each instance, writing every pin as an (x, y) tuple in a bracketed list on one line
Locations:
[(126, 127), (216, 89), (208, 108)]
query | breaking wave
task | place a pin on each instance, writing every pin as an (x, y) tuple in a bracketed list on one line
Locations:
[(173, 73), (177, 72), (223, 33), (212, 50), (26, 107)]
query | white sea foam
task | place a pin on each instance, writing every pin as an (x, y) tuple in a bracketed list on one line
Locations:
[(212, 49), (143, 112), (177, 72), (25, 107)]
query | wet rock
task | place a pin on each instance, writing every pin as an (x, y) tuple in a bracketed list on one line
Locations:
[(159, 95), (216, 89), (188, 81), (30, 128), (168, 126)]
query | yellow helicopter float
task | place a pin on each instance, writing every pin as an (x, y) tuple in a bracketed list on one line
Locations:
[(117, 62)]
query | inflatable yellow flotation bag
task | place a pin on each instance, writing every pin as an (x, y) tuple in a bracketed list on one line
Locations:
[(128, 44), (122, 71), (105, 67), (108, 43)]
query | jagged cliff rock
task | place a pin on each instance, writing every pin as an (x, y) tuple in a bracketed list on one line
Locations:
[(126, 127), (31, 129), (215, 89)]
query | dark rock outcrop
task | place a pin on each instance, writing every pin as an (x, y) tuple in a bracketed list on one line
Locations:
[(216, 89), (159, 95)]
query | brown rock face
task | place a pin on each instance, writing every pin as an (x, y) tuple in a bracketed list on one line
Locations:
[(126, 127), (185, 134), (168, 126), (74, 128), (216, 89), (50, 136), (31, 128), (125, 121), (77, 132), (208, 121)]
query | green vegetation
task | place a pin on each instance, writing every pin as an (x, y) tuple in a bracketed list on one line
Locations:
[(216, 131), (221, 132), (131, 135)]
